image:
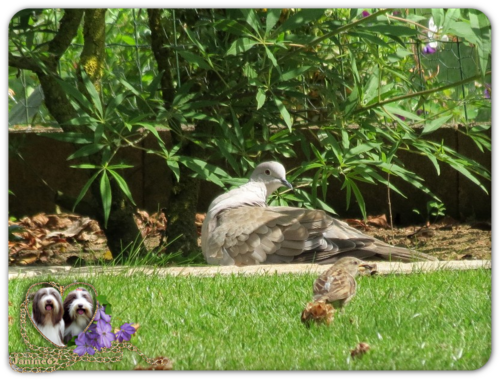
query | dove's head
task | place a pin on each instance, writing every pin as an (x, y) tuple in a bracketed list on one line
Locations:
[(353, 265), (272, 174)]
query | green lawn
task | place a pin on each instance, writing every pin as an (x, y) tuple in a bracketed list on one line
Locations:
[(438, 320)]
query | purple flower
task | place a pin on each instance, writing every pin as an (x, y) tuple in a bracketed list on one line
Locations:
[(105, 335), (401, 117), (102, 315), (487, 91), (420, 112), (365, 13), (93, 336), (125, 332), (83, 345), (428, 49)]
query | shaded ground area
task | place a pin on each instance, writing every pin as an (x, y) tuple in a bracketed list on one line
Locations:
[(65, 239)]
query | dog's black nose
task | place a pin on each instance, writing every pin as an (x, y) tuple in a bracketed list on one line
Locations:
[(49, 302), (80, 306)]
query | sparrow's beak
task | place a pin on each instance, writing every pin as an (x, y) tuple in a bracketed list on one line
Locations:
[(369, 268), (287, 184)]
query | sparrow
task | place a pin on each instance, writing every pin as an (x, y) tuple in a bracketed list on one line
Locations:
[(337, 285)]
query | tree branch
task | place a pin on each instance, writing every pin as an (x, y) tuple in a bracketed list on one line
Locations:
[(68, 29)]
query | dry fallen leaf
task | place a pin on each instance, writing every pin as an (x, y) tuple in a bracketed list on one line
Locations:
[(11, 320), (135, 326), (40, 220), (360, 349), (357, 223), (317, 312), (378, 221), (27, 259), (76, 227), (162, 363)]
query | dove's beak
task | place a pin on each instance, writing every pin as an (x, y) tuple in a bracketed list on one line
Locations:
[(287, 184)]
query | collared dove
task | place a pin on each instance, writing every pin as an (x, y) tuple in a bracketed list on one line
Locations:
[(241, 229)]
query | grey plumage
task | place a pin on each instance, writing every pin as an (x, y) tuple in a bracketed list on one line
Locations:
[(241, 229)]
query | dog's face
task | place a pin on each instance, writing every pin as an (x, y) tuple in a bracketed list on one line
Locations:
[(47, 304), (78, 304)]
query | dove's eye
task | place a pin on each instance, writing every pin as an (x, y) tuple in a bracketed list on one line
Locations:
[(268, 172)]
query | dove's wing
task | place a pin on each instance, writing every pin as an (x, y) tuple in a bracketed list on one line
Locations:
[(253, 235)]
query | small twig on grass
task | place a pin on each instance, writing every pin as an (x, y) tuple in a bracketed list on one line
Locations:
[(389, 202)]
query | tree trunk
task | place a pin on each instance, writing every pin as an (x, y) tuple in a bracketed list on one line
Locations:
[(181, 210), (121, 230)]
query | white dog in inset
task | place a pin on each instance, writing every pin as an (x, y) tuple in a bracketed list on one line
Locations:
[(78, 311), (48, 314)]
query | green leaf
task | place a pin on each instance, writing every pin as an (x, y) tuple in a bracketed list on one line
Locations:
[(249, 71), (390, 30), (87, 150), (332, 143), (452, 15), (106, 198), (435, 124), (85, 187), (300, 19), (93, 93), (122, 184), (153, 86), (75, 94), (114, 102), (229, 157), (192, 37), (481, 27), (195, 59), (71, 137), (241, 45), (204, 170), (82, 120), (85, 166), (362, 148), (273, 16), (251, 18), (464, 30), (460, 168), (438, 16), (130, 87), (284, 113), (294, 73), (152, 129), (231, 27), (371, 38), (325, 206), (260, 97), (359, 197), (401, 112), (270, 55), (174, 166)]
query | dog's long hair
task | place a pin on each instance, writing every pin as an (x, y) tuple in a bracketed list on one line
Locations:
[(78, 311), (48, 314)]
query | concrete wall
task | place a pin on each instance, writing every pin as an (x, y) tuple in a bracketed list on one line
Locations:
[(150, 181)]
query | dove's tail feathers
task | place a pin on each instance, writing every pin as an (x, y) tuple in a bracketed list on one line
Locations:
[(373, 252), (390, 253)]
